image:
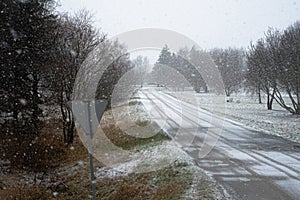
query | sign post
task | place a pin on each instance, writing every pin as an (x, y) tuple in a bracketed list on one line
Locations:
[(88, 114)]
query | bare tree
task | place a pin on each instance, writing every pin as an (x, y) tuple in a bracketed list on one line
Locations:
[(273, 66), (114, 55), (230, 64), (259, 70), (75, 39), (289, 72), (141, 65)]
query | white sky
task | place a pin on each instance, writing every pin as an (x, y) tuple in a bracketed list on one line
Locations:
[(210, 23)]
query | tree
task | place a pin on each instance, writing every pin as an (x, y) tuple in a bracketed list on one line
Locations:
[(141, 64), (75, 38), (117, 58), (259, 69), (181, 63), (164, 56), (273, 66), (198, 62), (289, 73), (230, 64), (24, 38), (253, 82), (163, 72)]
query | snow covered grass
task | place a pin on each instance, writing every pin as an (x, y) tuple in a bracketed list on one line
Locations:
[(155, 160), (245, 109), (159, 170), (179, 179)]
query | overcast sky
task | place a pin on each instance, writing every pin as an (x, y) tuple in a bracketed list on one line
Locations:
[(210, 23)]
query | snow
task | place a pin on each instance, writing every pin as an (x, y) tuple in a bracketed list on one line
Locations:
[(159, 156), (291, 186), (19, 51), (81, 163), (143, 159), (246, 110), (73, 53), (23, 102), (148, 159)]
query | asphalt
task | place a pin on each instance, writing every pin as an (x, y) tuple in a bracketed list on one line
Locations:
[(247, 163)]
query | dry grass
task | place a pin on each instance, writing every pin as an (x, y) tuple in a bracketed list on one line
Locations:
[(30, 155), (32, 152), (121, 139), (68, 180), (40, 153), (47, 152), (25, 192), (167, 183)]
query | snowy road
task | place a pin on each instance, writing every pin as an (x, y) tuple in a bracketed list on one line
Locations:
[(247, 163)]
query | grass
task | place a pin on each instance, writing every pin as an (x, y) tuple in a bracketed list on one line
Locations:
[(205, 191), (167, 183), (66, 171), (32, 152), (142, 123), (121, 139), (133, 103), (135, 97), (31, 155), (68, 180), (70, 184), (25, 192), (40, 153)]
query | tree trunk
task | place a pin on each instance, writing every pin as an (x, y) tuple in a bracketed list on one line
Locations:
[(205, 89), (35, 107), (259, 96), (15, 113), (270, 100), (69, 127), (269, 105), (227, 93), (70, 133), (297, 111)]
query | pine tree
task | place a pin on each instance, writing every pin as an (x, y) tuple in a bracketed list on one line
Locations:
[(24, 35)]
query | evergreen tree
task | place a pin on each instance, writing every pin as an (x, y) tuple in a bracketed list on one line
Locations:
[(24, 38), (165, 56)]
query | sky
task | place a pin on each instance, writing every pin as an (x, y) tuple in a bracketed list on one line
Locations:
[(210, 23)]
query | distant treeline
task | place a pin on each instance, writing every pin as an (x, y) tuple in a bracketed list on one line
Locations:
[(271, 66)]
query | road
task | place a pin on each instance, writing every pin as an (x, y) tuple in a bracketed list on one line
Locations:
[(247, 163)]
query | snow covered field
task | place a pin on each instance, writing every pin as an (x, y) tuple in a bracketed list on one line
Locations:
[(245, 109)]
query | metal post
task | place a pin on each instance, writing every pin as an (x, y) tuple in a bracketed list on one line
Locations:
[(90, 148), (89, 127)]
